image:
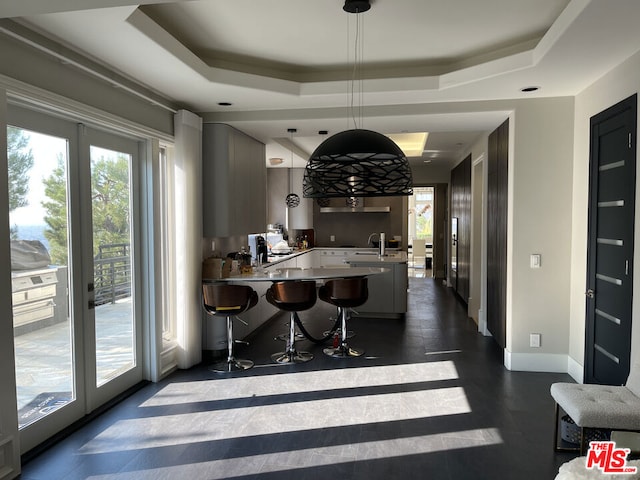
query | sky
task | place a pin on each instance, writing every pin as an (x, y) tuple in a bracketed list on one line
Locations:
[(45, 150)]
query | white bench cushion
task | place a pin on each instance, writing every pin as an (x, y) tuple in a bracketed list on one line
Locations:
[(598, 406), (576, 469)]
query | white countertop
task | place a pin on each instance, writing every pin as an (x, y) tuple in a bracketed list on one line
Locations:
[(349, 255), (316, 273)]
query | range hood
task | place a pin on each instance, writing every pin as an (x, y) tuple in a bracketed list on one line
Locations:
[(355, 209), (352, 205)]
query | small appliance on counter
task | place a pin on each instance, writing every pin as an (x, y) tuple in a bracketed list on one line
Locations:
[(269, 240), (261, 250), (273, 239), (252, 241), (281, 248)]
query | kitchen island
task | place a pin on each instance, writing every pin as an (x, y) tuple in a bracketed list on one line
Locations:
[(387, 290)]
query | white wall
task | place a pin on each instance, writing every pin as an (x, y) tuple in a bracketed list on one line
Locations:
[(617, 85), (477, 285), (25, 64), (300, 217), (430, 173), (540, 213)]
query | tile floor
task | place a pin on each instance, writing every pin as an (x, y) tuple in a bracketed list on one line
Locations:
[(429, 399)]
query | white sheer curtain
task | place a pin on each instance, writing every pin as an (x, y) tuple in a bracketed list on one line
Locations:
[(188, 236)]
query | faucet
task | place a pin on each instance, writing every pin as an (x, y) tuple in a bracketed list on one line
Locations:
[(369, 241)]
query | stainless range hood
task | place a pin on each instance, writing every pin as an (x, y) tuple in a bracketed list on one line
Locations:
[(353, 205), (355, 209)]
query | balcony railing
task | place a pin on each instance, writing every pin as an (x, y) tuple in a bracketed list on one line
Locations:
[(112, 273)]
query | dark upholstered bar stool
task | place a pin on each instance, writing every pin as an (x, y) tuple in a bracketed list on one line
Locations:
[(344, 293), (222, 300), (292, 297)]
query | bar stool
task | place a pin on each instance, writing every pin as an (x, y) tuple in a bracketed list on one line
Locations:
[(292, 297), (222, 300), (344, 293), (283, 337)]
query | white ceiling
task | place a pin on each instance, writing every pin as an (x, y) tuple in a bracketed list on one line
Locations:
[(289, 63)]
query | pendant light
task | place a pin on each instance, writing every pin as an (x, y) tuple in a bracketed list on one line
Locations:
[(357, 162), (293, 199)]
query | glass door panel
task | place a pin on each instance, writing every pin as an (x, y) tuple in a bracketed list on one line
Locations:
[(72, 232), (42, 317), (112, 263)]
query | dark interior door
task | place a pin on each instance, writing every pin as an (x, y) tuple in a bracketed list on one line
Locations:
[(497, 201), (461, 211), (610, 248)]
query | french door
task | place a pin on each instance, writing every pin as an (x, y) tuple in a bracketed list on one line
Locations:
[(74, 233)]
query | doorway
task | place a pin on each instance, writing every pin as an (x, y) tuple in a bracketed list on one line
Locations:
[(611, 244), (73, 234), (421, 231)]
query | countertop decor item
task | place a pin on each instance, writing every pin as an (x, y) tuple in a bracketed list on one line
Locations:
[(357, 162)]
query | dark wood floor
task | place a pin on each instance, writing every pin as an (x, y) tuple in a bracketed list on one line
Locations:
[(429, 399)]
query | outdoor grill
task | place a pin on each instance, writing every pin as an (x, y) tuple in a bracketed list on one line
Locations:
[(33, 294), (34, 287)]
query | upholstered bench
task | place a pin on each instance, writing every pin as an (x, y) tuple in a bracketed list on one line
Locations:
[(599, 406)]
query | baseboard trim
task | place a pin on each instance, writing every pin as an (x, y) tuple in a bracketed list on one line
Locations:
[(536, 362), (482, 323), (575, 370)]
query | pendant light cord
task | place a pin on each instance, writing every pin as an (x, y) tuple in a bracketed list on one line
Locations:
[(358, 48)]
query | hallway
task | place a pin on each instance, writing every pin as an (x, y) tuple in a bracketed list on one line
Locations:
[(429, 399)]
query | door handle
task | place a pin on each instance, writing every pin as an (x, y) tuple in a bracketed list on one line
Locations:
[(590, 293)]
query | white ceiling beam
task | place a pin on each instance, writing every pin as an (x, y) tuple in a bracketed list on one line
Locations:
[(24, 8)]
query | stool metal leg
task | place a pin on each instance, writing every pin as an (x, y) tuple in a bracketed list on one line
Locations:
[(291, 355), (232, 364), (350, 333), (343, 350)]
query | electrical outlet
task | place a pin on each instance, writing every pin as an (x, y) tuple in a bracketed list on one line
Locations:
[(332, 238), (535, 260), (534, 340)]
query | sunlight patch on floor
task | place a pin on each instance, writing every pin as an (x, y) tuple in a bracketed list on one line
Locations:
[(317, 457), (301, 382), (263, 420)]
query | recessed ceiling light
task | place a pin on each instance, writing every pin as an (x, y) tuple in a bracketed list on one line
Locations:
[(529, 89), (225, 104)]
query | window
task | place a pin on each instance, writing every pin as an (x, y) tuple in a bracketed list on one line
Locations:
[(421, 214)]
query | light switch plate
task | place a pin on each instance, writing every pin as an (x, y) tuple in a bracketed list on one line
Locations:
[(534, 340), (536, 260)]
